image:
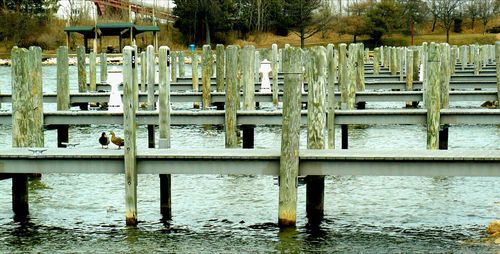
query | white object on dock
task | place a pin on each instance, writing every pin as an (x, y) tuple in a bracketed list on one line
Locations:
[(115, 103), (265, 69)]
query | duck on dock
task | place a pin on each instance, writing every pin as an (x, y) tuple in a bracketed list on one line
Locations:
[(117, 140), (490, 104), (104, 140)]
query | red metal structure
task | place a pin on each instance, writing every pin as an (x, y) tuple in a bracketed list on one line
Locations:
[(133, 6)]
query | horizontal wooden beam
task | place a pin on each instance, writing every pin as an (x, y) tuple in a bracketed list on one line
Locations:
[(256, 162)]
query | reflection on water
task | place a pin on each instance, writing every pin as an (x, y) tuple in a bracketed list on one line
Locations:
[(220, 213)]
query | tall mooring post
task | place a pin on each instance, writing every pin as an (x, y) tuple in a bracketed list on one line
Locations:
[(129, 124), (332, 76), (164, 115), (274, 73), (433, 97), (82, 72), (497, 59), (103, 64), (232, 93), (219, 72), (27, 116), (194, 76), (151, 77), (63, 102), (316, 124), (289, 159), (247, 60), (206, 75)]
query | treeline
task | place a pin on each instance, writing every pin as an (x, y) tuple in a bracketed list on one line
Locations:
[(27, 22), (210, 20)]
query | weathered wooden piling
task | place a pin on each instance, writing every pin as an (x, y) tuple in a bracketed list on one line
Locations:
[(393, 66), (232, 92), (164, 143), (409, 75), (463, 56), (129, 124), (194, 76), (206, 75), (63, 101), (316, 124), (274, 73), (220, 63), (453, 58), (360, 67), (144, 71), (257, 65), (174, 63), (402, 62), (247, 77), (477, 60), (82, 73), (445, 75), (27, 116), (182, 69), (416, 65), (497, 59), (92, 72), (151, 77), (332, 76), (352, 73), (103, 64), (376, 61), (289, 159), (343, 75), (433, 97)]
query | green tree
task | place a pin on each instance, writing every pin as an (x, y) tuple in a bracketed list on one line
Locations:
[(300, 17), (383, 18), (203, 18)]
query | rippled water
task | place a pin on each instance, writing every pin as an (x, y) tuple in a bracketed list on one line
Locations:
[(218, 213)]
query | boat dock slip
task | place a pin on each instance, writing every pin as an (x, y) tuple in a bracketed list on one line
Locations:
[(254, 162), (308, 81)]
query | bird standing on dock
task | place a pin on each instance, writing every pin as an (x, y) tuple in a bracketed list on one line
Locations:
[(104, 140), (117, 140)]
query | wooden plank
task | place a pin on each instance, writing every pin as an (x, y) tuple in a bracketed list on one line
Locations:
[(289, 157)]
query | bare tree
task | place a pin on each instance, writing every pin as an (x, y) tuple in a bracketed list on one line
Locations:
[(487, 10), (472, 9), (445, 11)]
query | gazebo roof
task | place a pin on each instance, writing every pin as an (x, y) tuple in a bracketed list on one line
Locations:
[(111, 29)]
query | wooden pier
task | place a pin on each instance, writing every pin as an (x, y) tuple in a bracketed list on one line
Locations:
[(239, 96)]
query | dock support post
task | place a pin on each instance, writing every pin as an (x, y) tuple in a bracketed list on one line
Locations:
[(393, 66), (63, 101), (332, 76), (27, 117), (360, 72), (376, 61), (289, 159), (151, 76), (219, 73), (206, 75), (93, 72), (274, 73), (175, 64), (257, 66), (129, 122), (343, 77), (104, 68), (247, 66), (409, 74), (316, 124), (82, 74), (497, 59), (477, 60), (194, 76), (344, 131), (144, 71), (180, 61), (433, 100), (352, 76), (164, 115), (232, 92)]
